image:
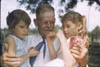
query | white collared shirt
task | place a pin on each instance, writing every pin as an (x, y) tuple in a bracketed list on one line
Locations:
[(33, 40)]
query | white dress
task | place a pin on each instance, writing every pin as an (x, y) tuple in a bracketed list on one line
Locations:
[(21, 49)]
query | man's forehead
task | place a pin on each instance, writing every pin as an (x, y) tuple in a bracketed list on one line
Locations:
[(47, 15)]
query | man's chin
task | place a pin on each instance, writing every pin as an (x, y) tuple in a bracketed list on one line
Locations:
[(46, 34)]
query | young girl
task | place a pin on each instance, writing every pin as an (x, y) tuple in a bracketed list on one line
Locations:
[(18, 22), (74, 29)]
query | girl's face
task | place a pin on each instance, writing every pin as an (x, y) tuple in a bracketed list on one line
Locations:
[(70, 29), (20, 30)]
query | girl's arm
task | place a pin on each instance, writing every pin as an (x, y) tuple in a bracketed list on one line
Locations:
[(12, 51), (32, 52), (69, 60), (10, 46), (15, 61)]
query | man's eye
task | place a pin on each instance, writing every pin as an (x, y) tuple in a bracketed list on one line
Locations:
[(52, 22), (67, 26), (43, 22), (27, 27)]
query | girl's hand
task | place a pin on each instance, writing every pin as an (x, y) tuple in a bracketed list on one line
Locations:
[(33, 52), (80, 53)]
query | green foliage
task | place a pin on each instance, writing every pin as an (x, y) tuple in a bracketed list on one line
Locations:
[(96, 30), (94, 48), (94, 55), (57, 27), (33, 31), (32, 4)]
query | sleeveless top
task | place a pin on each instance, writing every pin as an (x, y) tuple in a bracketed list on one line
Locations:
[(60, 55), (21, 48)]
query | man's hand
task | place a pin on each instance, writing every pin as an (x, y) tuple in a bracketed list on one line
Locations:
[(50, 41), (9, 61), (51, 37)]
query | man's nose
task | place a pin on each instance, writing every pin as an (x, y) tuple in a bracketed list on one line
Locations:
[(49, 24)]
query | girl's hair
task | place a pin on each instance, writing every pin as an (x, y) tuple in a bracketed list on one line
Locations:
[(75, 17), (42, 7), (16, 16)]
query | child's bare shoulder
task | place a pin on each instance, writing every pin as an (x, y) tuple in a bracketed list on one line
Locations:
[(9, 39)]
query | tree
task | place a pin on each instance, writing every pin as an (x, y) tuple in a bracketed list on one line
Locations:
[(96, 30), (32, 4), (95, 34)]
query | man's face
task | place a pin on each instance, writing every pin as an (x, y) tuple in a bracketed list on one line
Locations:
[(46, 22)]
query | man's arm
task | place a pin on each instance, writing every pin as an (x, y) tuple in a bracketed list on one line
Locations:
[(50, 41), (8, 61), (53, 53), (14, 61)]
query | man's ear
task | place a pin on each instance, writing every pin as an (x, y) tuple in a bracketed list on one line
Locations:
[(35, 22)]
